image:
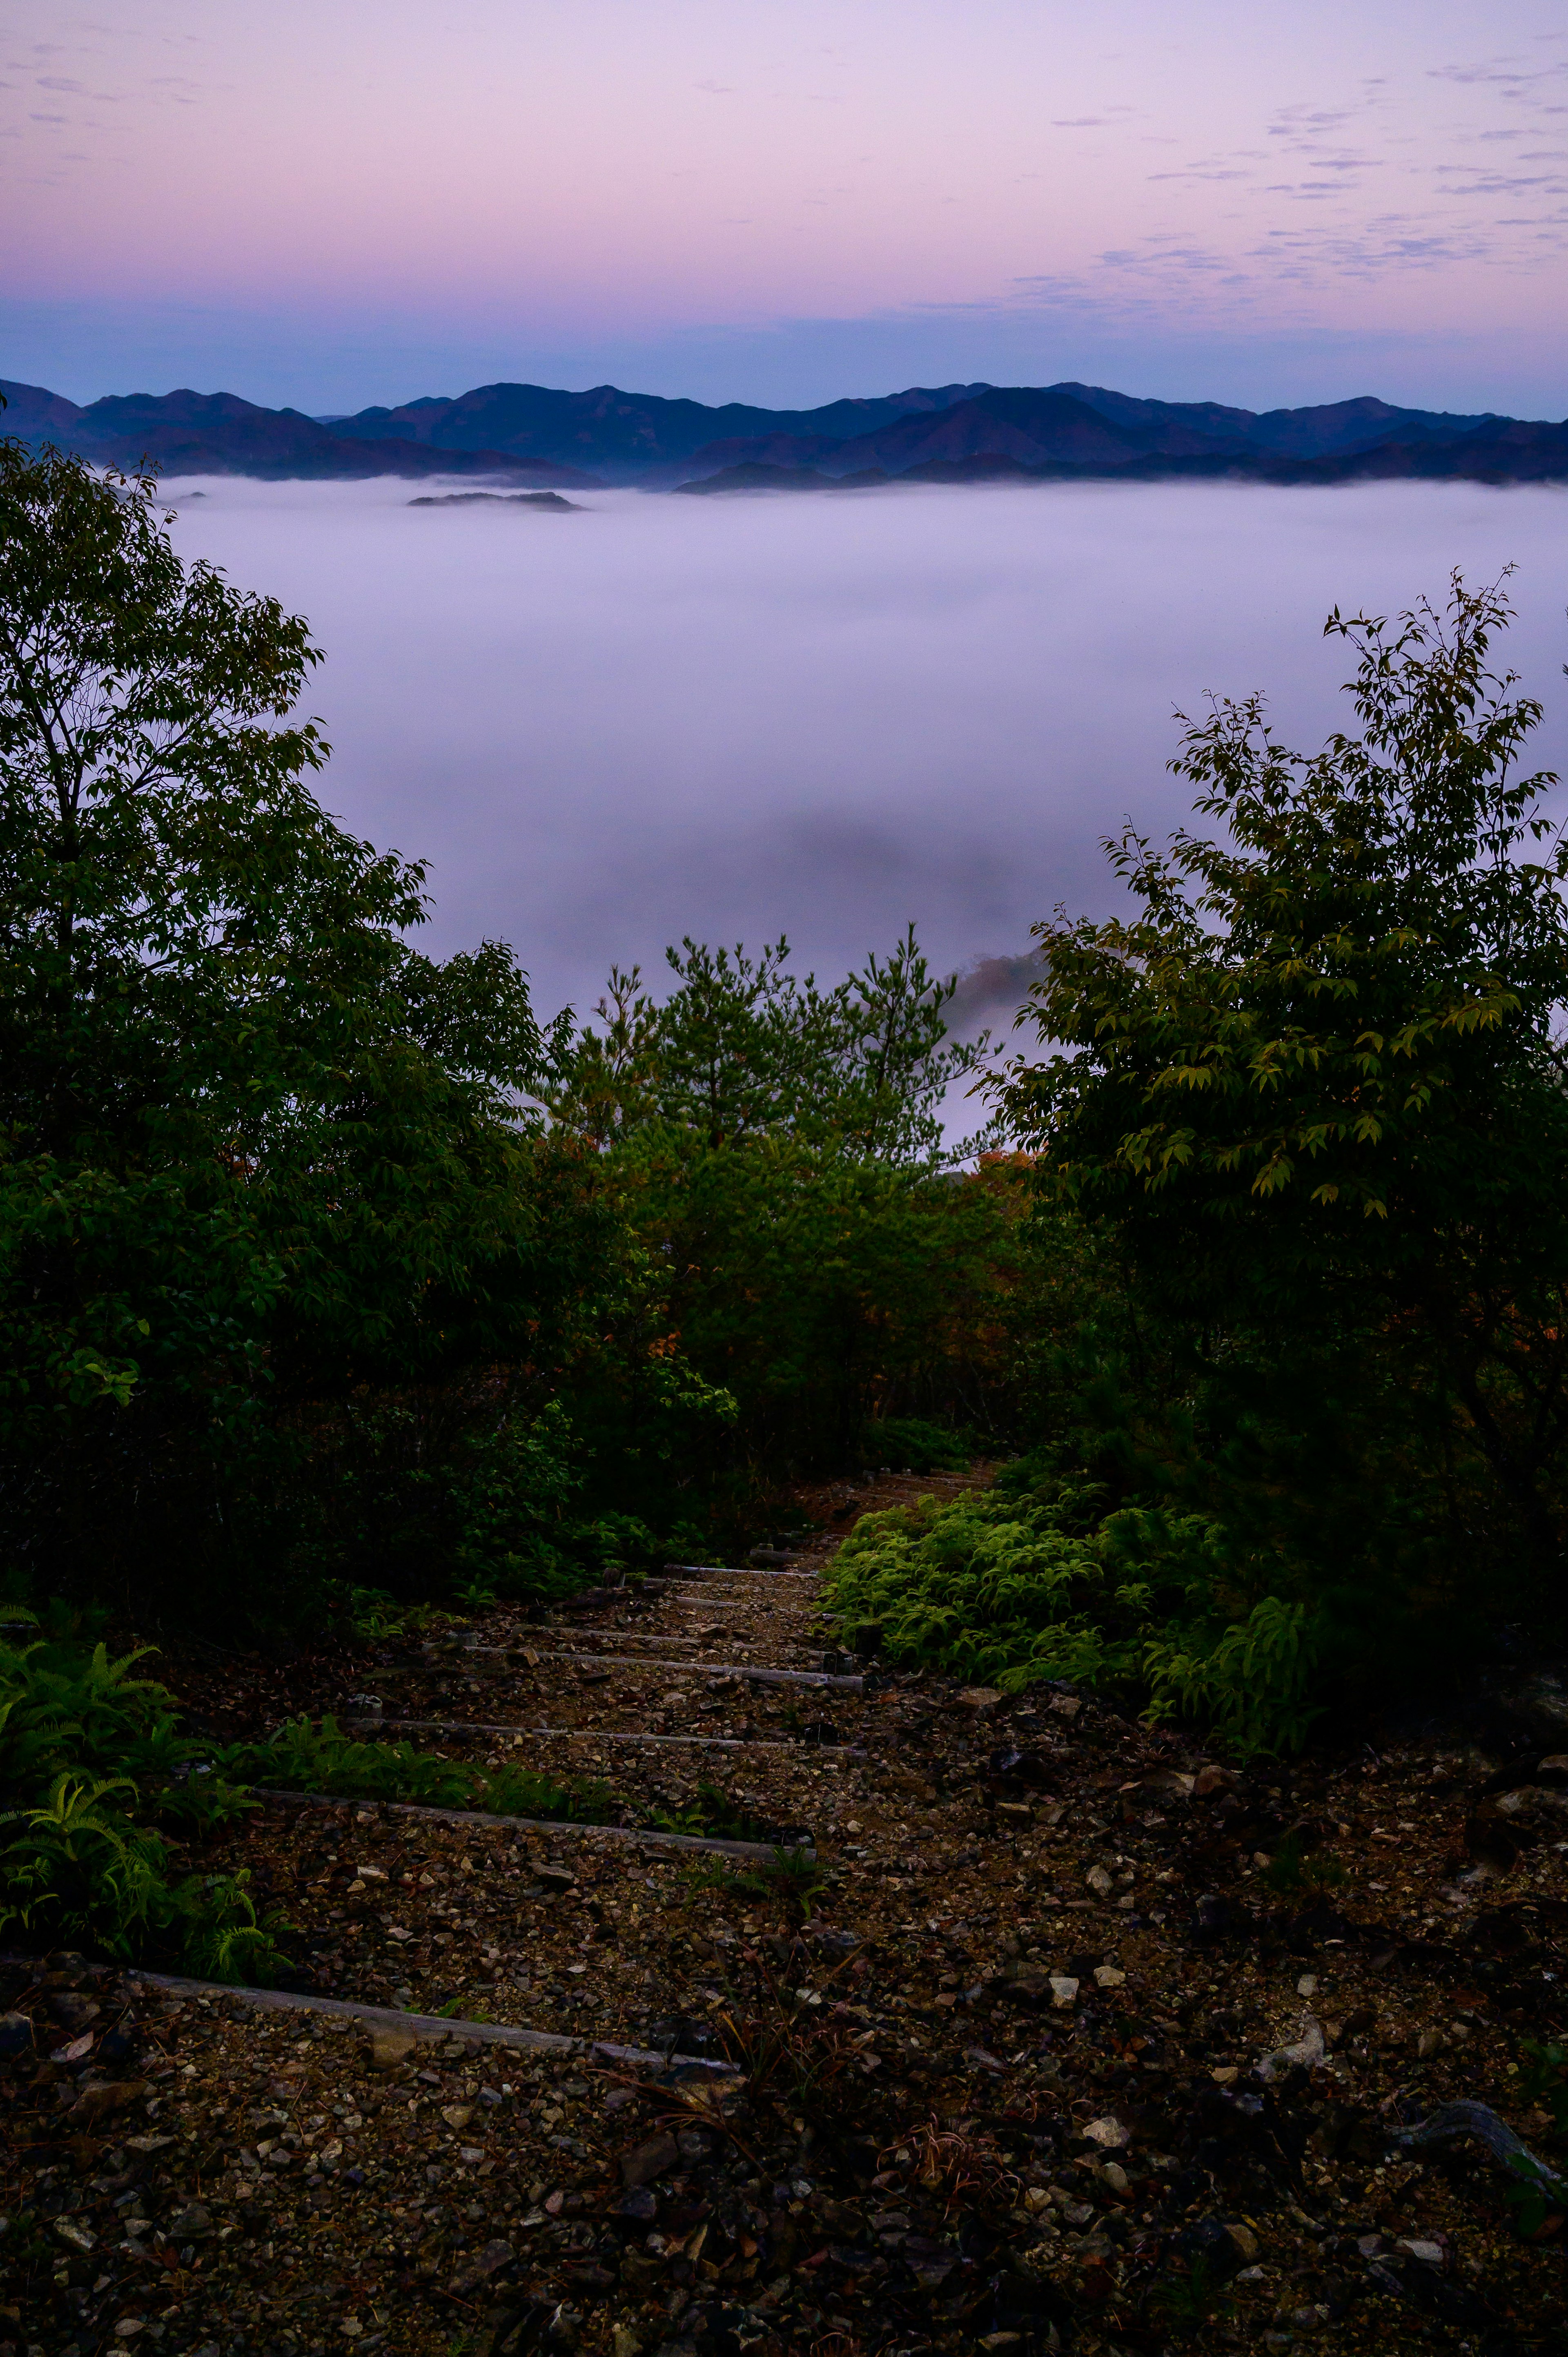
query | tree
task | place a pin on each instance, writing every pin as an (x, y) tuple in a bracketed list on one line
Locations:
[(256, 1152), (778, 1145), (743, 1049), (1315, 1085)]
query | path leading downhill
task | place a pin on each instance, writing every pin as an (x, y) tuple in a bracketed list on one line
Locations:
[(977, 2023)]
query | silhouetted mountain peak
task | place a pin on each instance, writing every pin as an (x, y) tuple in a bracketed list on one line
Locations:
[(538, 435)]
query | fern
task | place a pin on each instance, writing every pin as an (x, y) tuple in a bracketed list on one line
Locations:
[(1030, 1581)]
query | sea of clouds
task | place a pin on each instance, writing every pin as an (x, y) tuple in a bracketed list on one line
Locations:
[(824, 715)]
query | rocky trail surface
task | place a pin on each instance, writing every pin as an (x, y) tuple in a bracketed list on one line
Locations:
[(878, 2015)]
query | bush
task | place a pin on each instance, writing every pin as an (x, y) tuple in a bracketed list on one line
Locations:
[(92, 1757), (1031, 1580), (909, 1444)]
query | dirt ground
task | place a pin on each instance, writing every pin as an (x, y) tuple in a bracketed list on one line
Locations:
[(1077, 2039)]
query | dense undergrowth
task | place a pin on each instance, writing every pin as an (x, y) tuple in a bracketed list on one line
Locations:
[(1030, 1581), (101, 1798)]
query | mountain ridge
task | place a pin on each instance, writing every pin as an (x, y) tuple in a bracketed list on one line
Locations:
[(542, 438)]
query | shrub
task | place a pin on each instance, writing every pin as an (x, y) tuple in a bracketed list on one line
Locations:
[(93, 1756), (1032, 1580)]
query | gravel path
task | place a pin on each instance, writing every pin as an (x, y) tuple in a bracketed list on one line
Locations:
[(1055, 2056)]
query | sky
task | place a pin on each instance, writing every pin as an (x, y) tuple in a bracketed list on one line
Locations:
[(785, 201)]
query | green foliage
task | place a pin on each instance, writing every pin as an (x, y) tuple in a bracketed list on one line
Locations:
[(277, 1233), (376, 1616), (794, 1876), (1292, 1869), (1313, 1087), (1032, 1580), (305, 1757), (1543, 2079), (91, 1757), (774, 1144), (912, 1445), (744, 1048), (1191, 2300), (711, 1811)]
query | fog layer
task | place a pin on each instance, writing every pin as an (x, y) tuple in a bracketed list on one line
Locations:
[(823, 716)]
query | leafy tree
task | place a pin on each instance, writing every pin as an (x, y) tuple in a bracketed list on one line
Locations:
[(777, 1143), (256, 1152), (742, 1048), (1314, 1085)]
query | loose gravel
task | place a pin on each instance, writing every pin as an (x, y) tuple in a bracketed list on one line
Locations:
[(1087, 2042)]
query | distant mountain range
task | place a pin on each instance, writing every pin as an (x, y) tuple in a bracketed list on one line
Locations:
[(527, 434)]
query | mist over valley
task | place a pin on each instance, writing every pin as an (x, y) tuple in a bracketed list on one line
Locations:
[(740, 717)]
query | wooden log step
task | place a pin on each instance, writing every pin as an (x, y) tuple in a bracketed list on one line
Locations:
[(732, 1571), (617, 1735), (836, 1679), (428, 2028), (557, 1826)]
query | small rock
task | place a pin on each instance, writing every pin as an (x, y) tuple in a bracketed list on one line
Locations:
[(1246, 2245), (1064, 1991), (639, 2203), (1225, 2074), (1110, 1976), (390, 2049), (1307, 2055), (16, 2035), (1431, 2254), (192, 2223), (556, 1878), (1017, 1813), (980, 1699), (75, 2238), (647, 2160), (1307, 1985), (75, 2012), (1065, 1705), (1431, 2041), (1001, 2345), (1100, 1881), (101, 2096), (480, 2268), (623, 2342), (1212, 1779), (1109, 2134), (1115, 2176), (458, 2115)]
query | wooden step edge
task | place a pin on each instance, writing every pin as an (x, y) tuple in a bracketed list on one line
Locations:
[(554, 1825), (839, 1682), (731, 1571), (618, 1735), (427, 2027)]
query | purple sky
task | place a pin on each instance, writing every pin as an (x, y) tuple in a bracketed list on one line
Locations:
[(786, 199)]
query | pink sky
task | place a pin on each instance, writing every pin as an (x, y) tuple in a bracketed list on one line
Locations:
[(364, 199)]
